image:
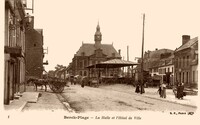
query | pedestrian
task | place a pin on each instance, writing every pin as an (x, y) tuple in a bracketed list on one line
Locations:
[(142, 89), (182, 90), (137, 90), (83, 82), (178, 90), (164, 90), (159, 90)]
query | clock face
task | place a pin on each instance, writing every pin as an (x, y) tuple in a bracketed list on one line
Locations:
[(98, 37)]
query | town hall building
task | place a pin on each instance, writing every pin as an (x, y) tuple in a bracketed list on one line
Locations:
[(90, 54)]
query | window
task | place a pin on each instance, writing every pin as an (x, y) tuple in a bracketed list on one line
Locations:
[(172, 69), (160, 71), (85, 73), (183, 61), (168, 70), (34, 45), (193, 76), (93, 62), (179, 61), (83, 54), (85, 63), (188, 60), (80, 73), (81, 64)]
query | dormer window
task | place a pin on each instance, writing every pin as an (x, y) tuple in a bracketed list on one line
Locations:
[(83, 54)]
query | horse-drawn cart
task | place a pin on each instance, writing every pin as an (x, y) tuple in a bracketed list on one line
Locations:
[(57, 85)]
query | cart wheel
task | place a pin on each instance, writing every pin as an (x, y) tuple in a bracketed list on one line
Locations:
[(58, 88)]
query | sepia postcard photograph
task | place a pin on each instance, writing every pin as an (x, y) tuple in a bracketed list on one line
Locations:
[(99, 61)]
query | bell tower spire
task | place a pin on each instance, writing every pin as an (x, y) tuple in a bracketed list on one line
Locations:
[(98, 36)]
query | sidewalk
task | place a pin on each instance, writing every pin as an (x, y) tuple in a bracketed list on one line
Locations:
[(188, 100), (19, 104), (38, 101)]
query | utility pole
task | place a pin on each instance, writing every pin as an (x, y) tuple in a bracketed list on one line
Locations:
[(128, 60), (142, 71)]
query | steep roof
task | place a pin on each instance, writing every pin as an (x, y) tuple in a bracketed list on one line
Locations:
[(89, 49), (155, 57), (157, 53), (187, 45)]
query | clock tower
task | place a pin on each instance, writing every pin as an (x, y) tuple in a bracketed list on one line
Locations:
[(97, 37)]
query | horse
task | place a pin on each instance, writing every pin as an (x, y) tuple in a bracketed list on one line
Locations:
[(39, 82)]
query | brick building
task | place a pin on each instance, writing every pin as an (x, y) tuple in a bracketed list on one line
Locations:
[(186, 62), (34, 51), (89, 54), (166, 68)]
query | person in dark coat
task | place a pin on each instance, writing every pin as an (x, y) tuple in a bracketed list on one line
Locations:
[(142, 89), (159, 90), (137, 90), (180, 92)]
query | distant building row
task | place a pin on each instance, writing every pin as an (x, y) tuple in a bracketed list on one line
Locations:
[(180, 65)]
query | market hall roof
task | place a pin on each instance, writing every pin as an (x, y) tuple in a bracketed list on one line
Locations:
[(89, 49), (113, 63)]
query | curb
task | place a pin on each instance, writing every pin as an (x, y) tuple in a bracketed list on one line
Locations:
[(171, 102), (65, 103), (22, 107), (28, 101)]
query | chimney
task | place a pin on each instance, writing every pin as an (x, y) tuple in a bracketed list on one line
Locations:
[(185, 39), (156, 49), (119, 51)]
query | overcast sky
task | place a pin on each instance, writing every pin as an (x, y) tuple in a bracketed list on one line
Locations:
[(67, 23)]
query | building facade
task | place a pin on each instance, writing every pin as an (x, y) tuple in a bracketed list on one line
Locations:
[(157, 65), (14, 49), (90, 54), (152, 60), (166, 68), (186, 62), (34, 51)]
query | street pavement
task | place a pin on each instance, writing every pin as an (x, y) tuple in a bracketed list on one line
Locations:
[(117, 97), (121, 97), (188, 100)]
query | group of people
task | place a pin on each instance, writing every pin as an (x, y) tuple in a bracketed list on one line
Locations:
[(178, 90), (139, 88)]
